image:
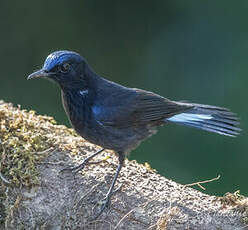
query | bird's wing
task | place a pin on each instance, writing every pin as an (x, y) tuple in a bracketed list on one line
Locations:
[(139, 108)]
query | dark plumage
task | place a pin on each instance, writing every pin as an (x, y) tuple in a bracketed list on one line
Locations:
[(119, 118)]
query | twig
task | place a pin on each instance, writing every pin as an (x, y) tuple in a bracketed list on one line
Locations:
[(2, 160), (127, 214), (86, 194), (132, 210), (45, 151), (53, 163), (4, 179), (202, 182)]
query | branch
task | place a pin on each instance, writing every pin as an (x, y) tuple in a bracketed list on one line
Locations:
[(34, 149)]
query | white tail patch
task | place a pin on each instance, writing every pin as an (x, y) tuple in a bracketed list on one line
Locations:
[(184, 117)]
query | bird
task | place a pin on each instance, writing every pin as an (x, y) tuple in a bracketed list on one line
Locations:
[(119, 118)]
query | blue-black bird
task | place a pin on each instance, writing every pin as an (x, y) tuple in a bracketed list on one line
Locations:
[(120, 118)]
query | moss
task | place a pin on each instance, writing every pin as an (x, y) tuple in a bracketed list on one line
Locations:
[(20, 139), (237, 201), (22, 136), (25, 140), (149, 168)]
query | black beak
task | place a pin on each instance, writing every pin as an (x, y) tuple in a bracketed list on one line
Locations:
[(39, 73)]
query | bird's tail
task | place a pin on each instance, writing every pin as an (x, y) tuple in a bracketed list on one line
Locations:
[(209, 118)]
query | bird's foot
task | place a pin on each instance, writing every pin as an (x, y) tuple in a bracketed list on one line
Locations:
[(105, 203), (117, 190), (74, 169), (81, 166)]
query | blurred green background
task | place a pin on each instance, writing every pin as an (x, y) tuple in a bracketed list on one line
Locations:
[(183, 50)]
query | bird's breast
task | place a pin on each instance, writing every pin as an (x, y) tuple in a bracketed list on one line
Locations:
[(79, 112)]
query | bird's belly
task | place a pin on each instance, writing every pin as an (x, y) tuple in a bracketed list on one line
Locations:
[(120, 140)]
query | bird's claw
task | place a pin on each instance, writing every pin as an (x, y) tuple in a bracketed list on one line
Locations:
[(117, 190), (73, 169), (81, 166), (105, 202)]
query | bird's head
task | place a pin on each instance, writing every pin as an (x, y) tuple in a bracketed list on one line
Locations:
[(63, 67)]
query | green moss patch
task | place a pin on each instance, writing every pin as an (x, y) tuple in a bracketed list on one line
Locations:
[(24, 137)]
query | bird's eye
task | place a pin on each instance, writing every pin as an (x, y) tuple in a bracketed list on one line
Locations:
[(65, 68)]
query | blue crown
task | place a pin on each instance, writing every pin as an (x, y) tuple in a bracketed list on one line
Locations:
[(60, 57)]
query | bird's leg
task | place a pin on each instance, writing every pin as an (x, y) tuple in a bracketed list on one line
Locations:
[(111, 191), (81, 166)]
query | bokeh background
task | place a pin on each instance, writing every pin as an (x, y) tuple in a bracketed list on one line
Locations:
[(183, 50)]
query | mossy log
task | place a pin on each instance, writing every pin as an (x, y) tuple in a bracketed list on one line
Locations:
[(34, 195)]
